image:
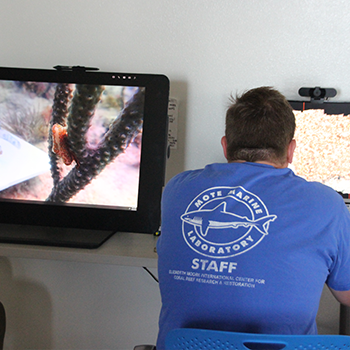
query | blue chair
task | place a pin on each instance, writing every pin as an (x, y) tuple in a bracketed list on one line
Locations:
[(201, 339)]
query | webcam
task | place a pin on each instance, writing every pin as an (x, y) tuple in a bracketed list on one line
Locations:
[(317, 94)]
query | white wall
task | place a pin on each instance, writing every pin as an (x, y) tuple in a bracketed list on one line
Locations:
[(208, 49)]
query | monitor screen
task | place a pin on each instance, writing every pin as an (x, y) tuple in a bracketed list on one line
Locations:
[(323, 143), (81, 150)]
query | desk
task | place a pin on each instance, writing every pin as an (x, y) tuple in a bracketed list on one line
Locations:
[(81, 298), (123, 248)]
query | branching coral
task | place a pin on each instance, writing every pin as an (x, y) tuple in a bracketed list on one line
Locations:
[(90, 161)]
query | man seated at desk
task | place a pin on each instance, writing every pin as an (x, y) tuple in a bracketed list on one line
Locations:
[(247, 246)]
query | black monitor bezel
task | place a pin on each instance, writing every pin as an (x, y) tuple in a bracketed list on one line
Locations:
[(330, 107), (146, 218)]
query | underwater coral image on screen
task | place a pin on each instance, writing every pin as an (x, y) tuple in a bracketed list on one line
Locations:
[(70, 143), (323, 144)]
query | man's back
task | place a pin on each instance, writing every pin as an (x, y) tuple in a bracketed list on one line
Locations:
[(248, 247)]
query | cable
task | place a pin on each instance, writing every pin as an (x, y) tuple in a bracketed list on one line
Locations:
[(154, 277)]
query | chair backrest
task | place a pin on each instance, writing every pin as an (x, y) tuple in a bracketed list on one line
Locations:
[(2, 325), (200, 339)]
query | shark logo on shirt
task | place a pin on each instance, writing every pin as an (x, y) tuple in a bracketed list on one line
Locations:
[(224, 219)]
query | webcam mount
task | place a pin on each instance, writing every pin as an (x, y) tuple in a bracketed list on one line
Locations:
[(317, 94)]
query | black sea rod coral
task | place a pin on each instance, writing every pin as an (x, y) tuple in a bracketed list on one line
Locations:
[(71, 116)]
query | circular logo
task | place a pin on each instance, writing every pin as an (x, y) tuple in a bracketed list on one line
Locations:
[(223, 222)]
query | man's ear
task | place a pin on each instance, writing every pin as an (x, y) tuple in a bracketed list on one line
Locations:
[(290, 152), (224, 145)]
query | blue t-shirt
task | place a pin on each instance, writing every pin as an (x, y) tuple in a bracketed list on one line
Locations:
[(247, 247)]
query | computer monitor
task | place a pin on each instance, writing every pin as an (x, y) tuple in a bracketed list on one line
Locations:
[(82, 154), (323, 143)]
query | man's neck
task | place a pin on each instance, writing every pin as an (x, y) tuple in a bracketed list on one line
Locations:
[(274, 164)]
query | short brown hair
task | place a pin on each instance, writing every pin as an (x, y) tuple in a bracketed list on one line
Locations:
[(259, 126)]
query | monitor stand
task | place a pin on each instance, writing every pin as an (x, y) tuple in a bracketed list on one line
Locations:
[(53, 236)]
